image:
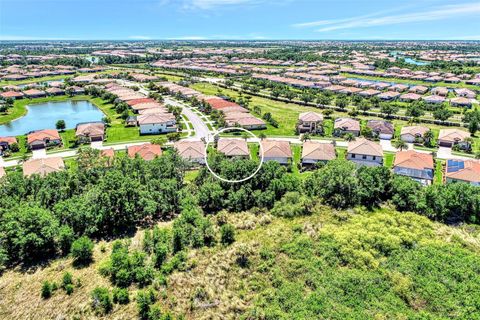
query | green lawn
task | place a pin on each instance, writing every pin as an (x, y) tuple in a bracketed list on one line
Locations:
[(388, 159), (438, 178), (286, 114)]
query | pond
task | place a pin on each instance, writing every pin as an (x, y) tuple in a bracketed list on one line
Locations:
[(45, 116)]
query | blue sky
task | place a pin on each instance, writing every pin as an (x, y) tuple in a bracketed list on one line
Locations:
[(239, 19)]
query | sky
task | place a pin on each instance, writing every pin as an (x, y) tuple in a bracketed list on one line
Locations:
[(239, 19)]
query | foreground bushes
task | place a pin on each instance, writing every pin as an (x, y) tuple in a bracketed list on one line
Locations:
[(341, 185)]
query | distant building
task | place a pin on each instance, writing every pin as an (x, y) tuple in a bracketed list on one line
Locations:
[(43, 166), (451, 137), (43, 138), (412, 134), (343, 126), (276, 150), (193, 151), (233, 147), (146, 151), (381, 129)]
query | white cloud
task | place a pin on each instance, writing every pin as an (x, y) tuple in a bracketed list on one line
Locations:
[(139, 37), (380, 19), (211, 4), (188, 38)]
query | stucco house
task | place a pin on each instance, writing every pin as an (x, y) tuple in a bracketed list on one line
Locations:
[(381, 129), (343, 126), (90, 131), (43, 166), (276, 150), (156, 123), (450, 137), (314, 152), (233, 147), (364, 152), (146, 151), (310, 122), (43, 138), (467, 171), (416, 165), (193, 151), (413, 134)]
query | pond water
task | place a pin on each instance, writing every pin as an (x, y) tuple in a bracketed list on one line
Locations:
[(45, 116)]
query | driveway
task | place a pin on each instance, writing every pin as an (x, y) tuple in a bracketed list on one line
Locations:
[(96, 144), (39, 153)]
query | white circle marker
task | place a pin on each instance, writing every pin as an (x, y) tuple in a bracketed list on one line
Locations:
[(234, 181)]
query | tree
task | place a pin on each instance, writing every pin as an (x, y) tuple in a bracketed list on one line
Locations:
[(400, 145), (82, 250), (473, 126), (428, 138), (336, 184), (46, 290), (227, 234), (364, 105), (28, 233), (374, 185), (323, 100), (405, 193), (341, 102), (145, 298), (60, 125), (101, 300), (442, 114), (305, 137), (349, 137), (388, 109)]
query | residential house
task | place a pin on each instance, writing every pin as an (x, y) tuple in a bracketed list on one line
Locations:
[(467, 171), (90, 131), (381, 129), (34, 93), (416, 165), (434, 99), (236, 148), (364, 152), (146, 151), (157, 123), (466, 93), (440, 91), (413, 134), (389, 95), (461, 102), (418, 89), (6, 142), (43, 166), (276, 150), (408, 97), (55, 91), (43, 138), (369, 93), (399, 87), (314, 152), (193, 151), (343, 126), (310, 122), (11, 94), (451, 137)]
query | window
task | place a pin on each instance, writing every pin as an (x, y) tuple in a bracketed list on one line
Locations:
[(353, 155), (364, 157), (374, 158)]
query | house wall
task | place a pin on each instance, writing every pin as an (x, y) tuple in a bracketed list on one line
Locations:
[(425, 176), (366, 160), (450, 180), (279, 160), (156, 128)]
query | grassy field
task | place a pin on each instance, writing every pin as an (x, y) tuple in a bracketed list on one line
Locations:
[(286, 114), (328, 265)]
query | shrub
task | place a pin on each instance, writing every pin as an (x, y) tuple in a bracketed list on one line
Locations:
[(144, 299), (67, 279), (227, 234), (101, 300), (69, 289), (65, 239), (46, 290), (82, 250), (120, 295)]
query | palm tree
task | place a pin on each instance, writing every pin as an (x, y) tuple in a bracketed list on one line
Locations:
[(305, 137), (349, 137), (400, 145), (262, 136)]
